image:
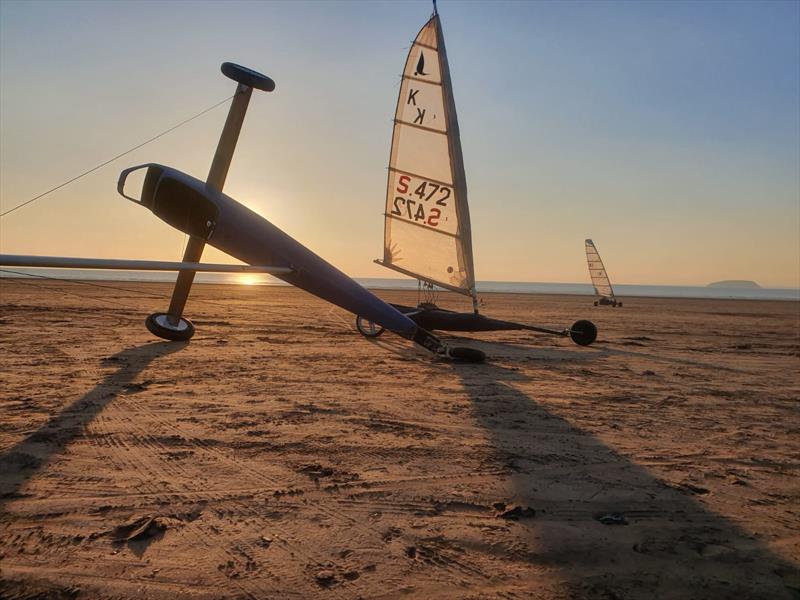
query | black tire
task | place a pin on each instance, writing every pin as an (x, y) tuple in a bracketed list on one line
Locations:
[(183, 332), (620, 304), (367, 328), (596, 303), (583, 332), (468, 355), (247, 76)]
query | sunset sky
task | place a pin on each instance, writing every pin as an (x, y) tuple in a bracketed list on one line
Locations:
[(667, 132)]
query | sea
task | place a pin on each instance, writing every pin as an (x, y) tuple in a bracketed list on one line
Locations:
[(508, 287)]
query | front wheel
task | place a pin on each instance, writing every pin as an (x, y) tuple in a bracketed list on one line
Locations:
[(159, 325), (367, 328), (583, 332)]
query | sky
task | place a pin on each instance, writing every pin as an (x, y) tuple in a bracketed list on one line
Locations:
[(669, 132)]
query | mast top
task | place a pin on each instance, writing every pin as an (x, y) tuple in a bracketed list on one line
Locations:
[(435, 12)]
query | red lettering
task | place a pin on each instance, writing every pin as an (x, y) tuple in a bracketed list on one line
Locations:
[(433, 217), (402, 183)]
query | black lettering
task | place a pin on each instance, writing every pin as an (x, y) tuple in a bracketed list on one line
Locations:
[(409, 207), (412, 97), (435, 187), (420, 116)]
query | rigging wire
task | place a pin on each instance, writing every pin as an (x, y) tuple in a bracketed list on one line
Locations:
[(84, 296), (108, 287), (110, 160)]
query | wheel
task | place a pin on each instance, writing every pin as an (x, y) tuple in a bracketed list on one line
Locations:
[(254, 79), (470, 355), (583, 332), (596, 303), (158, 325), (620, 304), (368, 328)]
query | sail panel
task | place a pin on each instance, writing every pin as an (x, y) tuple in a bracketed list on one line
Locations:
[(434, 257), (419, 200), (427, 35), (427, 219), (421, 104), (421, 151), (423, 58), (597, 271)]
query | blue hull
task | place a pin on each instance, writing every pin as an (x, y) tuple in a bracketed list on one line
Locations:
[(191, 206)]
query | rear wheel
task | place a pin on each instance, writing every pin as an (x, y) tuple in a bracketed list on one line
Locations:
[(160, 325), (463, 354), (596, 303), (583, 332), (367, 328)]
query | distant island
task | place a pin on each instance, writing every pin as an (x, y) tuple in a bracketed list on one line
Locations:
[(741, 284)]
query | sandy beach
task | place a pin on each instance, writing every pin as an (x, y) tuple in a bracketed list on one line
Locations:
[(281, 455)]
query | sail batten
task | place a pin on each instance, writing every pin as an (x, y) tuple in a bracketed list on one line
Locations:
[(431, 129), (597, 271), (410, 78), (421, 45), (438, 232), (426, 228)]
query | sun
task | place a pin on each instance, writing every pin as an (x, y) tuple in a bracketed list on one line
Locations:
[(248, 279)]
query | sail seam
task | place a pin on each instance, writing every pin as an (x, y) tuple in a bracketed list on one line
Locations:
[(424, 45), (402, 220), (412, 78), (446, 286), (399, 122)]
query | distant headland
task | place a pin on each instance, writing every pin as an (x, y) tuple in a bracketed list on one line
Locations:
[(741, 284)]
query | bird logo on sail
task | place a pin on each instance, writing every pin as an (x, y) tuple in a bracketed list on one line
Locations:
[(421, 65)]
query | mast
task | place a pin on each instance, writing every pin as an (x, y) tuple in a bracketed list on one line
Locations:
[(456, 162)]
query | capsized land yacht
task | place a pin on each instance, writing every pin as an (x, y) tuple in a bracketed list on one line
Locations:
[(209, 217)]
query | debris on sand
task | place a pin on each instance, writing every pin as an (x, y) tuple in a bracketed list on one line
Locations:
[(612, 519), (316, 471), (142, 528), (325, 578)]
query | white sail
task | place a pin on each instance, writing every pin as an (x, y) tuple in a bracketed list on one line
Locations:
[(600, 281), (427, 231)]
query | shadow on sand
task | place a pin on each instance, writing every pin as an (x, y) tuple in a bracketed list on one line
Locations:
[(531, 350), (672, 545), (31, 454)]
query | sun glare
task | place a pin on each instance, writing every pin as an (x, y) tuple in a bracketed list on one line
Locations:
[(248, 279)]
